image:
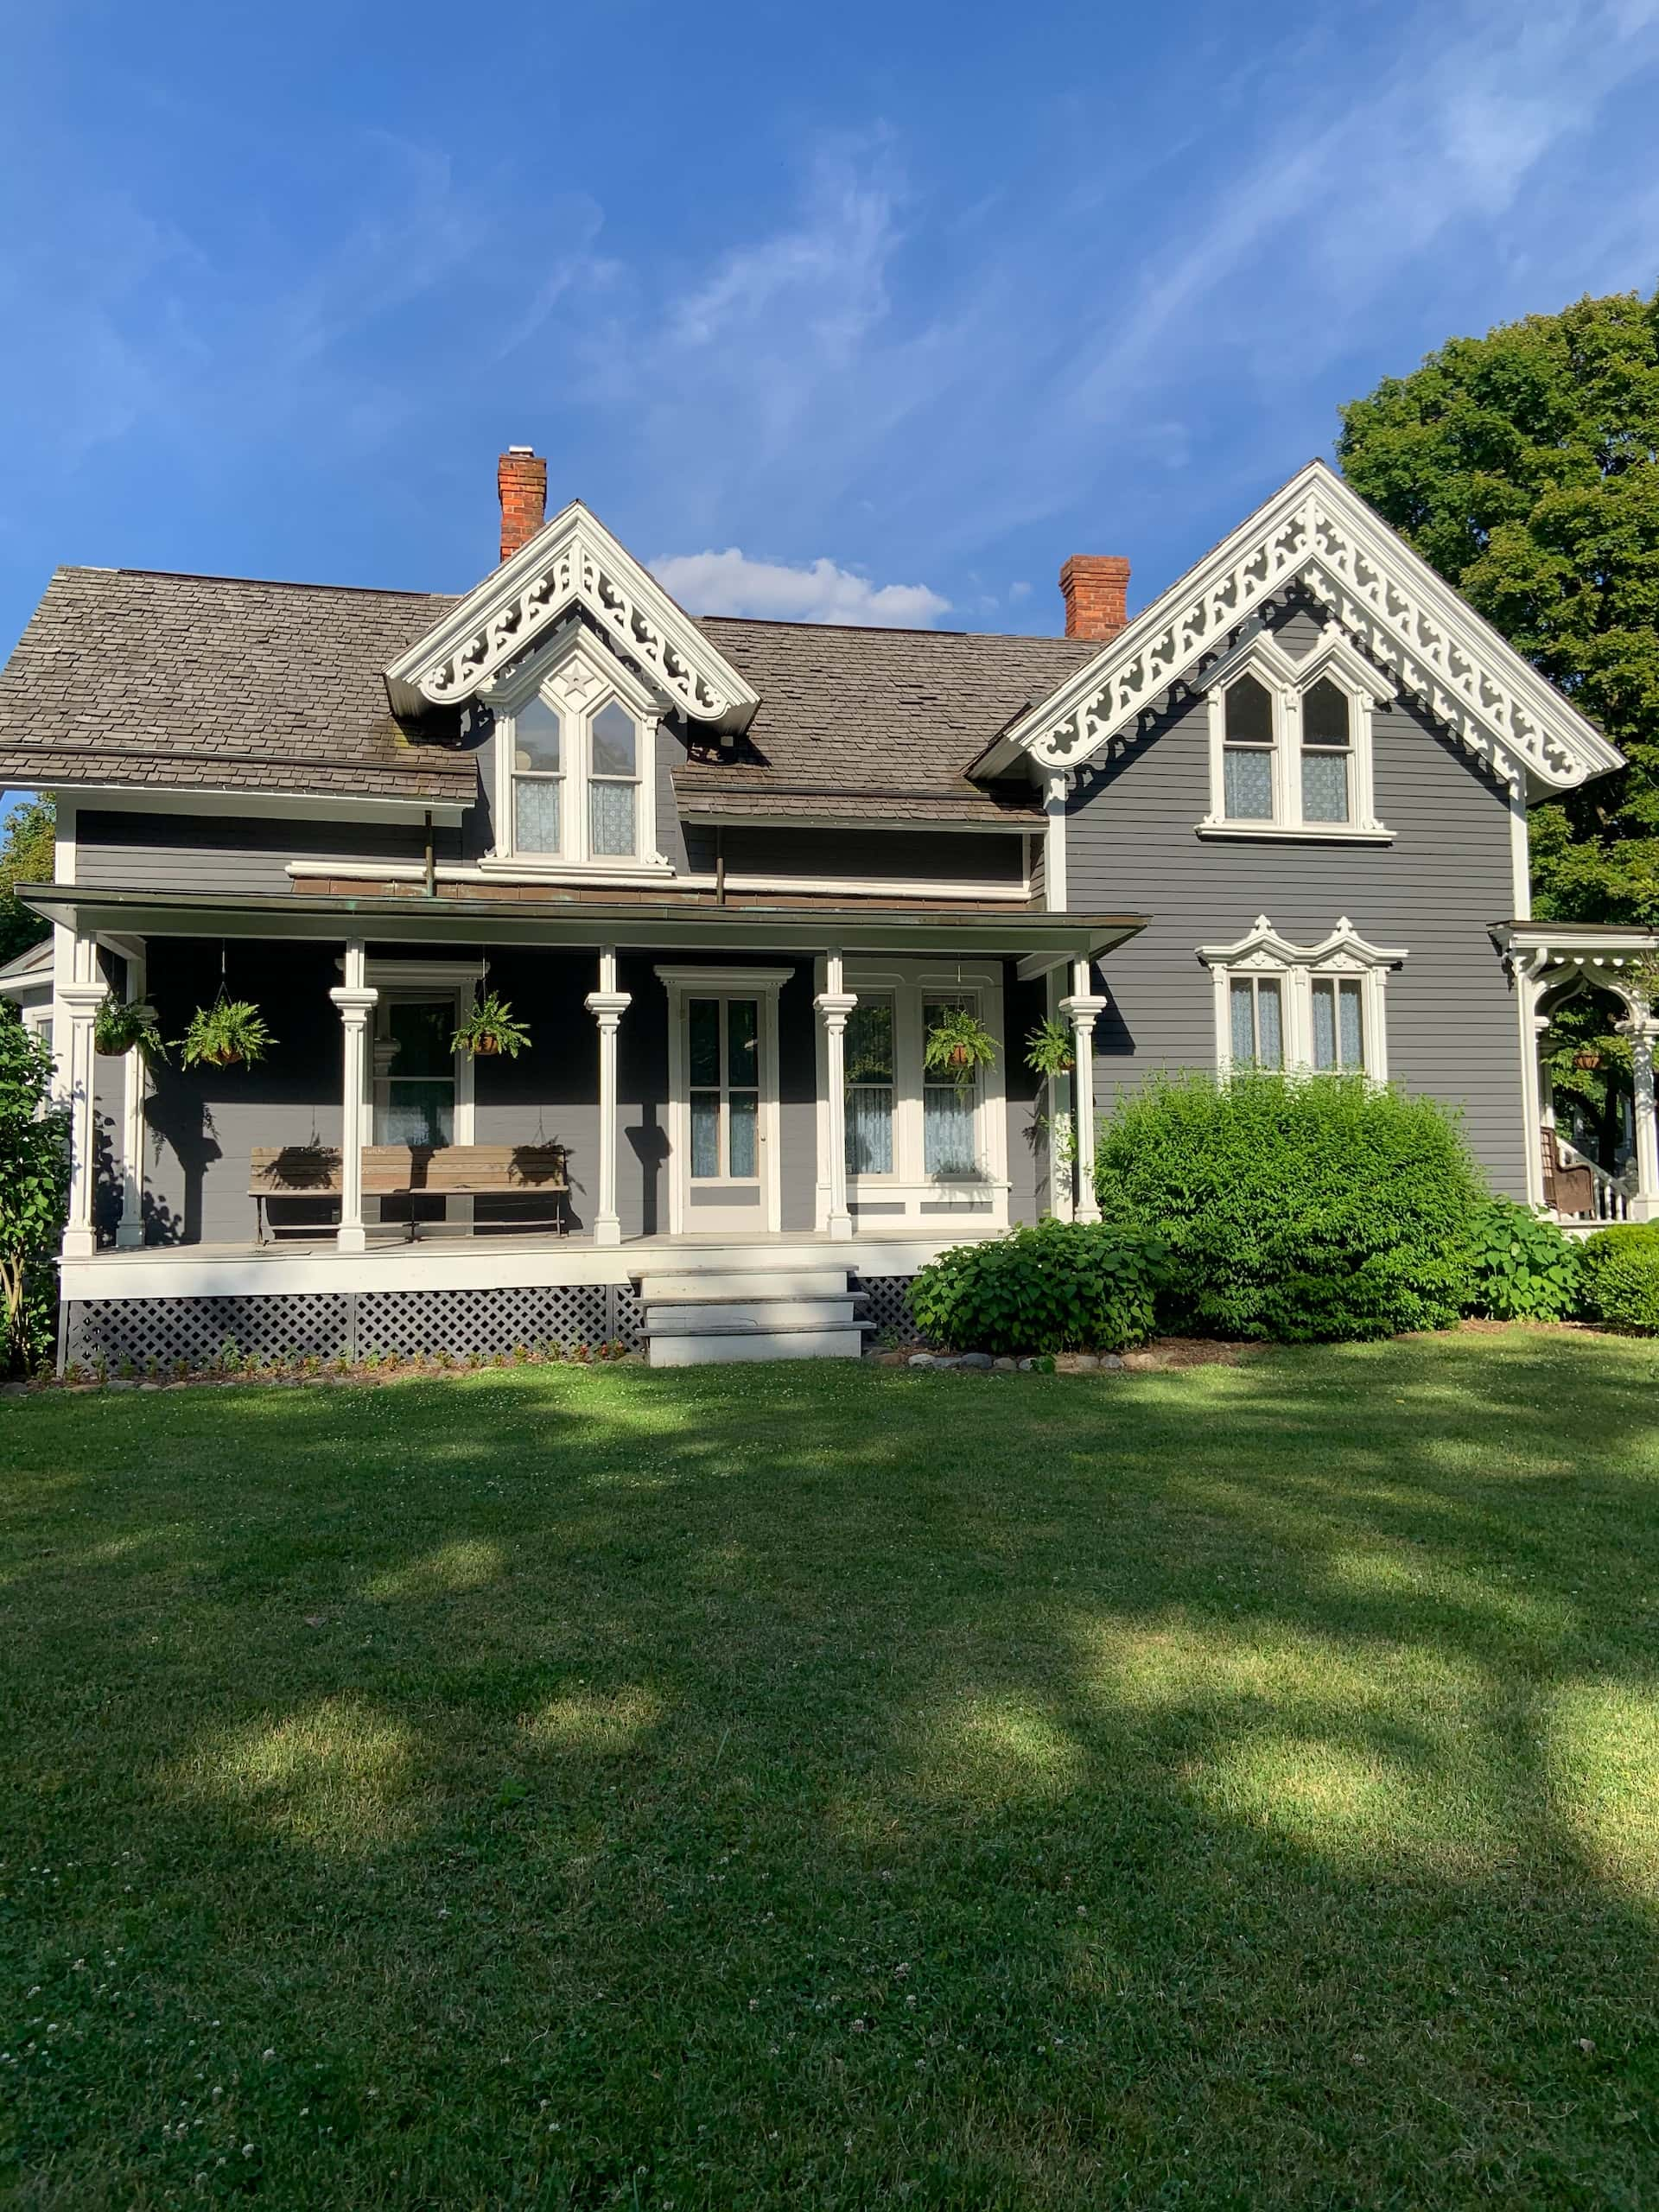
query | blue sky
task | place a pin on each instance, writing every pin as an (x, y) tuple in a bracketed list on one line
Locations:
[(862, 313)]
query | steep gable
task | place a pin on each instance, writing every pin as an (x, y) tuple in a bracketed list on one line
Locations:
[(1317, 533)]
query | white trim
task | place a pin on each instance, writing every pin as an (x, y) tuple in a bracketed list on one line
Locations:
[(571, 560), (1315, 530), (522, 870), (1056, 889), (574, 675), (195, 798), (1343, 956), (1519, 859), (1330, 833), (684, 984), (1021, 824)]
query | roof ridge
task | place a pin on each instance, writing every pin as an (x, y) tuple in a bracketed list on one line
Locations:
[(265, 583)]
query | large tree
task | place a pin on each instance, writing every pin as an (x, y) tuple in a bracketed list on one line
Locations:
[(26, 847), (1524, 466)]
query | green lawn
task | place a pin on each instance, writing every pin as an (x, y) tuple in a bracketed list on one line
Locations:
[(839, 1787)]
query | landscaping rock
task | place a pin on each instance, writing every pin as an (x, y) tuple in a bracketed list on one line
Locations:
[(920, 1359), (1110, 1359), (976, 1359), (1024, 1366), (1005, 1366)]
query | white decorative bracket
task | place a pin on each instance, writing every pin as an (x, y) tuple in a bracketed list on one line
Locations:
[(572, 561)]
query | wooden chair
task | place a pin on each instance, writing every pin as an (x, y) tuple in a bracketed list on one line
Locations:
[(1567, 1190)]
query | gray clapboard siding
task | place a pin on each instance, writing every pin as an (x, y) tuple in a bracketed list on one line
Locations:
[(1452, 1021), (145, 851)]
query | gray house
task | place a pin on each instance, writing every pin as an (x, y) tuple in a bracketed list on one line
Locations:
[(732, 873)]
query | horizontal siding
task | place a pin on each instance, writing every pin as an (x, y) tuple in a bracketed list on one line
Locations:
[(224, 853), (1452, 1021), (886, 855)]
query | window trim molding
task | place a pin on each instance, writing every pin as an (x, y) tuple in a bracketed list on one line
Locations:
[(1286, 678), (456, 979), (578, 677), (1344, 955)]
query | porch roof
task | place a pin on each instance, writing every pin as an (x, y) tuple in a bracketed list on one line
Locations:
[(1039, 939)]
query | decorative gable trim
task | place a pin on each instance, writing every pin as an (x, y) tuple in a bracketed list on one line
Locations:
[(1297, 971), (1343, 952), (1319, 532), (572, 561)]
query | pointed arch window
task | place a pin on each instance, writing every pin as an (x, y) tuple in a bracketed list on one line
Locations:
[(1290, 741)]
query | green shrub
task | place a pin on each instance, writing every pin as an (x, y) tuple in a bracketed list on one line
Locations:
[(1302, 1208), (1523, 1268), (1621, 1275), (1062, 1286)]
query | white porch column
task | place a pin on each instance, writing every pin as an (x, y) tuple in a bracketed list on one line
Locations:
[(1061, 1166), (356, 1000), (1644, 1199), (607, 1006), (1081, 1010), (80, 1000), (130, 1231), (834, 1002)]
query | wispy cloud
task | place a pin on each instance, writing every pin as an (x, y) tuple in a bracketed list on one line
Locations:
[(819, 591)]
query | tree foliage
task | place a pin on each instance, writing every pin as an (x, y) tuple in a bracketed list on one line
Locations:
[(1524, 466), (34, 1190), (26, 855)]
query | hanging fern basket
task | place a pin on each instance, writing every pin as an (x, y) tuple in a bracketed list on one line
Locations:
[(121, 1024), (958, 1045), (491, 1029), (229, 1034)]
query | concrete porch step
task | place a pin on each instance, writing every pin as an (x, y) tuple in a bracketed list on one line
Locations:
[(742, 1282), (696, 1317), (687, 1317), (711, 1347)]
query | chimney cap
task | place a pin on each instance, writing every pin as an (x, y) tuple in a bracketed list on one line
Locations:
[(531, 449)]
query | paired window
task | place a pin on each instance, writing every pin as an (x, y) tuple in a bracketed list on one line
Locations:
[(1291, 742), (574, 782), (547, 744), (1319, 1007), (905, 1123)]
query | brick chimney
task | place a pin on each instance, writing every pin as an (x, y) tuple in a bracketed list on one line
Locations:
[(1094, 587), (521, 479)]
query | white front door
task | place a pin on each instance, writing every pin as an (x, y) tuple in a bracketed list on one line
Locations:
[(724, 1131)]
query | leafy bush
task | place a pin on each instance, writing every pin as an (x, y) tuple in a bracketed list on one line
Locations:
[(1621, 1275), (1302, 1208), (1523, 1268), (1061, 1287), (34, 1193)]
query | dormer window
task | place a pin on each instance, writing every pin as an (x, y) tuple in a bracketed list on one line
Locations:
[(576, 746), (1290, 741), (537, 776), (613, 784)]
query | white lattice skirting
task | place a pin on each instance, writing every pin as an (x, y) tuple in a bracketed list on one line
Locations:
[(350, 1325)]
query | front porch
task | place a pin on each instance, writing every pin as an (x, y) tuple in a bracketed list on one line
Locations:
[(751, 1091)]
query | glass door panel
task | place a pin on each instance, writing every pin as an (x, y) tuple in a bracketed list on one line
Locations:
[(418, 1106)]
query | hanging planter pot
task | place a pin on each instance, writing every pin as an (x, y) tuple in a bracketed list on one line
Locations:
[(1586, 1060), (490, 1030), (229, 1034), (122, 1026), (958, 1045), (1051, 1048)]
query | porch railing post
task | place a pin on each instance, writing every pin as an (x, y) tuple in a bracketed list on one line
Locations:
[(81, 999), (835, 1004), (607, 1006), (356, 1000), (1081, 1010), (1644, 1199), (130, 1231)]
